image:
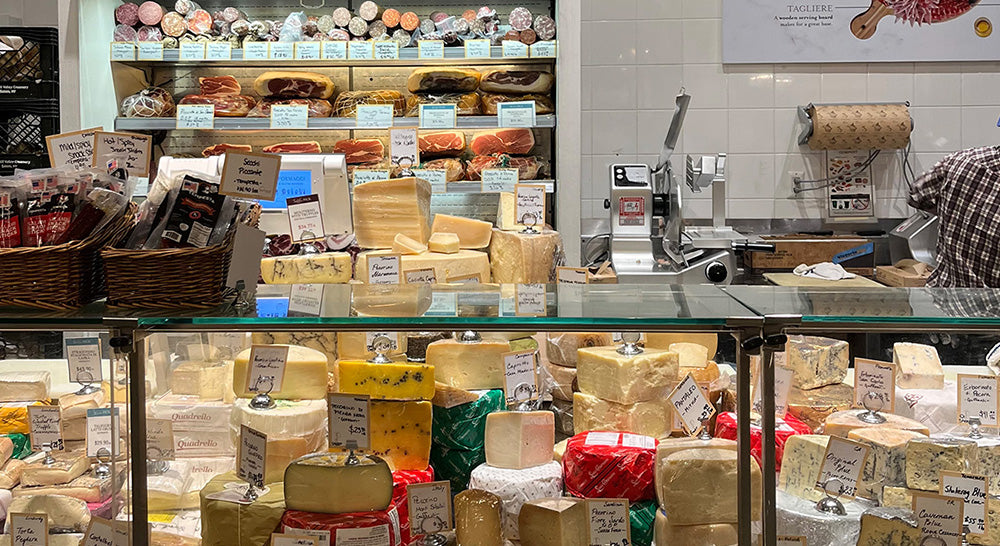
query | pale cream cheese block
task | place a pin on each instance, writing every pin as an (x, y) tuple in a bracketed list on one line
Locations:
[(917, 366), (470, 366), (663, 340), (843, 422), (444, 242), (898, 497), (817, 361), (519, 439), (10, 475), (67, 467), (354, 345), (801, 464), (690, 355), (668, 446), (293, 429), (87, 488), (716, 534), (463, 263), (886, 463), (65, 513), (649, 418), (604, 373), (554, 521), (471, 233), (365, 486), (190, 413), (478, 518), (305, 375), (561, 347), (206, 381), (889, 526), (386, 207), (391, 300), (72, 406), (17, 386), (696, 486), (519, 258), (406, 245), (926, 458), (325, 268)]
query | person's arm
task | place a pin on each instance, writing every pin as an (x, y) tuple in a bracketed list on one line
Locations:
[(925, 191)]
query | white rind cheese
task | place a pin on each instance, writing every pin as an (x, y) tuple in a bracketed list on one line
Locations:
[(917, 366), (817, 361), (801, 464), (17, 386)]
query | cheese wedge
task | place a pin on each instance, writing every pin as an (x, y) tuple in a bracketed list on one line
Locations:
[(520, 258), (468, 366), (67, 467), (445, 242), (385, 208), (461, 264), (471, 233), (405, 245)]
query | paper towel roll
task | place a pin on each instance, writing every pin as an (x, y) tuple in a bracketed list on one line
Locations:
[(860, 127)]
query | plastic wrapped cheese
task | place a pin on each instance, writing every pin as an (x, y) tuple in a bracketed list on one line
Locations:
[(799, 517), (376, 528), (561, 347), (718, 534), (86, 488), (464, 426), (560, 379), (66, 467), (164, 490), (293, 429), (73, 406), (456, 465), (610, 465), (651, 418), (66, 514), (726, 427), (515, 487), (15, 386), (813, 406), (190, 413), (203, 470), (479, 519), (401, 479), (226, 523), (696, 486), (347, 487), (304, 378), (14, 416), (935, 408), (200, 379)]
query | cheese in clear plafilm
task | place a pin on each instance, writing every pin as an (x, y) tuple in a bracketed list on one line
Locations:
[(562, 379), (164, 490), (650, 418), (478, 518), (72, 406), (799, 517), (346, 487), (696, 486), (917, 366), (386, 207), (226, 523), (445, 243), (561, 347), (471, 366), (15, 386), (813, 406), (68, 465), (690, 355), (897, 496), (519, 258), (926, 458), (203, 470), (393, 381), (324, 342), (801, 464), (446, 266), (65, 514), (886, 461), (557, 521), (893, 526), (604, 373), (471, 233), (304, 378), (200, 379), (293, 429), (325, 268), (992, 536), (406, 245), (354, 345), (817, 361), (843, 422), (663, 340), (10, 474), (515, 487), (935, 408), (717, 534), (85, 487), (519, 439), (669, 446)]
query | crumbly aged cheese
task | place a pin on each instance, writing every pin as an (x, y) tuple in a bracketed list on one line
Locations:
[(66, 514), (396, 381), (799, 517), (478, 518), (892, 526), (801, 464), (843, 422), (506, 213), (987, 461), (304, 377), (519, 258), (690, 355), (897, 497), (471, 233), (199, 379), (917, 366), (927, 457), (445, 242), (72, 406), (354, 345), (67, 467), (10, 475), (463, 263), (697, 486), (813, 406), (649, 418), (15, 386), (706, 374), (386, 207), (561, 347), (604, 373), (446, 396), (817, 361), (669, 446), (663, 340), (325, 268), (717, 534), (405, 245), (562, 378), (992, 535), (886, 458), (226, 523), (468, 365), (558, 521), (519, 439), (324, 342), (516, 487), (293, 429), (362, 487)]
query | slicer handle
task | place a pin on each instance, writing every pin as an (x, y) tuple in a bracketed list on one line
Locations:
[(754, 247)]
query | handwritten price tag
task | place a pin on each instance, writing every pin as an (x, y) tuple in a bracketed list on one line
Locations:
[(873, 376), (572, 275), (288, 116), (691, 406), (403, 147), (520, 377), (253, 454), (218, 51), (122, 51), (45, 423), (386, 50), (385, 269), (102, 532), (972, 490), (514, 48), (133, 149), (282, 51), (609, 522), (844, 460), (529, 204), (360, 51), (74, 150), (783, 378), (499, 180), (940, 516), (29, 529), (195, 116), (83, 355), (543, 50), (977, 398), (477, 49), (430, 49), (251, 175), (349, 420), (363, 176), (373, 116), (267, 368), (306, 300), (160, 439), (257, 51), (430, 506), (150, 51), (529, 300), (438, 178), (193, 51), (307, 51), (334, 50)]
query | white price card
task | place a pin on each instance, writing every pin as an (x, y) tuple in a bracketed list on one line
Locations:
[(972, 490), (102, 532), (430, 507), (842, 465), (387, 50), (572, 275), (786, 540), (305, 216), (403, 147), (135, 150), (499, 180), (514, 48), (306, 300), (195, 116), (529, 204), (520, 377), (385, 269), (420, 276), (609, 522), (289, 116), (283, 539), (256, 51), (477, 49), (267, 368), (783, 379), (101, 432), (360, 51), (529, 300), (443, 304), (691, 406), (349, 420), (160, 439), (122, 51), (334, 50), (876, 378), (250, 175), (438, 179), (940, 516), (45, 424), (308, 51), (543, 49), (29, 529), (83, 356), (430, 49), (252, 456), (218, 51), (516, 114), (362, 176), (438, 116), (373, 116), (978, 398), (74, 150), (282, 51), (150, 51), (193, 51), (393, 338)]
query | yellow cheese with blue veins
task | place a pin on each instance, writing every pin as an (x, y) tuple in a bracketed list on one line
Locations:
[(917, 366)]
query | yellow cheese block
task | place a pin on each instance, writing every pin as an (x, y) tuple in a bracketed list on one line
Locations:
[(604, 373), (354, 345), (663, 340), (696, 485), (519, 258), (406, 245), (692, 355), (326, 268), (304, 379), (364, 485), (391, 300), (471, 233), (463, 263), (445, 242), (665, 534), (469, 366), (401, 433), (386, 207), (386, 381)]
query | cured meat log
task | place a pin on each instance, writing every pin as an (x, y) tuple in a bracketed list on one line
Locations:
[(152, 102), (516, 81), (149, 34), (545, 27), (173, 24), (360, 151), (127, 14), (341, 16), (409, 21), (348, 101), (125, 33), (390, 18), (293, 84), (528, 37), (520, 19), (443, 79), (219, 149), (185, 7), (150, 13), (527, 167), (309, 147), (503, 141), (358, 27), (199, 21), (226, 106), (543, 103), (369, 11), (454, 168), (441, 143), (318, 108), (219, 85), (339, 34), (467, 104), (402, 37)]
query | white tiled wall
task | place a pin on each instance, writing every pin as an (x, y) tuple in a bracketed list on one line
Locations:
[(638, 53)]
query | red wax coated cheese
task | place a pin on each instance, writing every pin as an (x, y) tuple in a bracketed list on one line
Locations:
[(382, 527), (400, 479), (611, 465), (726, 426)]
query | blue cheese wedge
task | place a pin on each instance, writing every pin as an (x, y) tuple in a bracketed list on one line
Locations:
[(817, 361), (886, 461), (926, 458), (889, 526), (801, 464), (327, 268), (917, 366)]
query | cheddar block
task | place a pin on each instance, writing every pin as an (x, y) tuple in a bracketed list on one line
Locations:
[(398, 381), (385, 208), (354, 345), (15, 386), (697, 486), (519, 258), (304, 378), (690, 355), (470, 366), (478, 518), (445, 242), (519, 439), (917, 366), (462, 263), (649, 418), (365, 486), (200, 379), (401, 433), (554, 521), (843, 422), (405, 245), (471, 233), (325, 268), (604, 373), (67, 467)]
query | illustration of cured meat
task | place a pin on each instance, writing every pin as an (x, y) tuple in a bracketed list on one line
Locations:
[(917, 12)]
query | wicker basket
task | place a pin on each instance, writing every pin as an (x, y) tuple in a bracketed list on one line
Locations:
[(170, 278), (60, 277)]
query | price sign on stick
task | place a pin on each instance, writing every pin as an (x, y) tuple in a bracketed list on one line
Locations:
[(842, 465), (349, 420), (520, 377), (252, 457), (691, 406), (267, 368), (609, 522), (430, 507), (978, 399), (45, 424), (875, 381)]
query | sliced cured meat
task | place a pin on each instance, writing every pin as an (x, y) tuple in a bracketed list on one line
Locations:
[(226, 106), (150, 13), (318, 108), (199, 21), (516, 81), (442, 143), (545, 27), (454, 168), (527, 167), (173, 24), (520, 19), (309, 147), (409, 21), (219, 149), (543, 103), (358, 151), (503, 141), (293, 84), (443, 80), (219, 85), (127, 14), (348, 101), (149, 34), (467, 104), (125, 33), (390, 18)]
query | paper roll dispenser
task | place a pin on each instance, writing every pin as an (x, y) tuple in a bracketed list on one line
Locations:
[(867, 126)]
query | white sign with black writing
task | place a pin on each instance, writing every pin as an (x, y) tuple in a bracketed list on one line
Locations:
[(250, 175), (134, 150), (385, 269), (978, 399), (520, 377), (691, 406), (842, 465), (349, 420), (267, 368), (83, 356), (252, 456)]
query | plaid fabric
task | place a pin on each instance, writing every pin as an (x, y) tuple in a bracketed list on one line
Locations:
[(964, 191)]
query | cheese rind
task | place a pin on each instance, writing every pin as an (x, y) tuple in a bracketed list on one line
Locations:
[(386, 207), (293, 429), (696, 486), (471, 366), (519, 258), (462, 263), (405, 245), (801, 464), (842, 423), (716, 534), (604, 373), (519, 439), (362, 487), (886, 461), (67, 467), (817, 361), (396, 381), (15, 386), (649, 418), (562, 378), (926, 458), (516, 487), (471, 233), (881, 526), (304, 378), (325, 268), (561, 347), (917, 366), (557, 521), (690, 355), (226, 523), (478, 519), (65, 513), (445, 243)]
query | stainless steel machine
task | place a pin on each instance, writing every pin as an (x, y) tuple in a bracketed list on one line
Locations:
[(916, 238)]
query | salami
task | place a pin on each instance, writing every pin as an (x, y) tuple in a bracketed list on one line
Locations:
[(341, 17), (390, 18), (520, 19), (469, 15), (260, 28), (226, 106), (240, 28), (402, 37), (124, 33), (545, 27), (170, 42), (512, 35), (377, 30), (173, 24), (427, 26), (462, 26), (219, 149), (409, 21), (357, 26), (220, 28), (438, 16), (486, 12), (231, 15), (528, 37), (369, 11), (149, 34), (339, 34), (325, 24), (199, 21), (185, 7), (127, 14), (308, 147), (150, 13)]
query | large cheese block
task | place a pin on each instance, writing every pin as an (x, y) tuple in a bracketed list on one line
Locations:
[(203, 470), (226, 523), (892, 526), (801, 465), (604, 373), (206, 381), (68, 465), (66, 514), (164, 491), (610, 465), (304, 378), (479, 519), (462, 264), (897, 497), (15, 386), (561, 347), (669, 446), (649, 418), (463, 426), (346, 488), (326, 268), (516, 487), (799, 517), (726, 427), (917, 366), (400, 433), (293, 429), (696, 486), (324, 342), (813, 406), (400, 480), (395, 381), (886, 461), (926, 458), (390, 300), (190, 413), (374, 528), (715, 534), (663, 340), (519, 439), (561, 380), (519, 258), (558, 521), (935, 408), (14, 416), (706, 374), (73, 406), (86, 488), (690, 355), (405, 245), (10, 474), (843, 422), (471, 233), (987, 462), (386, 207), (468, 365), (355, 346), (817, 361), (992, 535)]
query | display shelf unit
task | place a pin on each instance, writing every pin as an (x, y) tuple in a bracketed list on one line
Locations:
[(547, 121)]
